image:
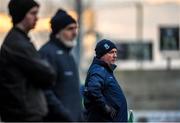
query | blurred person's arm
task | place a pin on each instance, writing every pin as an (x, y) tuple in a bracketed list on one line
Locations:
[(38, 71), (56, 108)]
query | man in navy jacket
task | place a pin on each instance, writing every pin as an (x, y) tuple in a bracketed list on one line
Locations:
[(103, 97)]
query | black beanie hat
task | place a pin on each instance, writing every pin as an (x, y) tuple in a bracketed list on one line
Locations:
[(103, 47), (19, 8), (60, 20)]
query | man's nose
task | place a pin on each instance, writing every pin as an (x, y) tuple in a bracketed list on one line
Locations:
[(75, 31), (115, 55)]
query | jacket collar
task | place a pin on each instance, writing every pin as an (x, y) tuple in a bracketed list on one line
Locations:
[(21, 31), (59, 43), (110, 68)]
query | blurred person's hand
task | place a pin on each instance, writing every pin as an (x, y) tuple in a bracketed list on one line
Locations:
[(110, 111)]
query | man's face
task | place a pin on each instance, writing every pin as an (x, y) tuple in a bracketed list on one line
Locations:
[(110, 57), (30, 18), (69, 33)]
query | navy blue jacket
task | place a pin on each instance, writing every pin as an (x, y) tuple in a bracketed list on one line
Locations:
[(102, 88), (64, 98)]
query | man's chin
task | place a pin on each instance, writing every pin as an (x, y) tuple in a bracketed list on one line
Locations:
[(70, 44), (113, 61)]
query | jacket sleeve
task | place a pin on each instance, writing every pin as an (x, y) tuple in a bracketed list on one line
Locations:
[(38, 71), (95, 86), (56, 108)]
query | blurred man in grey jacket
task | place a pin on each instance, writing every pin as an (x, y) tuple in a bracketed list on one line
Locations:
[(23, 74)]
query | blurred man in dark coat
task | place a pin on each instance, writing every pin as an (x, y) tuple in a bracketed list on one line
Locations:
[(64, 98)]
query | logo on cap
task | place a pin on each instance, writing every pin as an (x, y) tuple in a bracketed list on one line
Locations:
[(106, 46)]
